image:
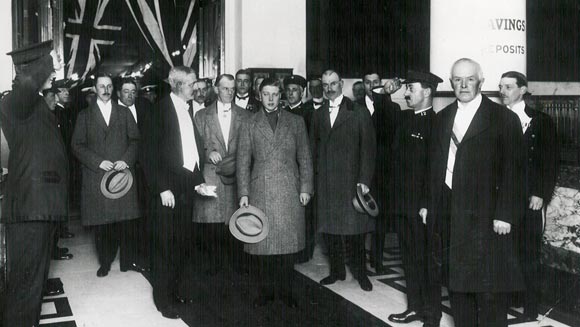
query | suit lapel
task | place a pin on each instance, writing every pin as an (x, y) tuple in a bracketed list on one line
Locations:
[(98, 117), (236, 122), (264, 126), (281, 128), (343, 114), (215, 123), (480, 122), (448, 119)]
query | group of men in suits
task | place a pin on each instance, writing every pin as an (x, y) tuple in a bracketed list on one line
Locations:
[(466, 191)]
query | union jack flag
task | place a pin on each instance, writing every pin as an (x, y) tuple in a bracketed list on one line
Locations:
[(91, 26)]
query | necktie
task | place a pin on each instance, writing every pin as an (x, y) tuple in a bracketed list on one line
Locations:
[(242, 98)]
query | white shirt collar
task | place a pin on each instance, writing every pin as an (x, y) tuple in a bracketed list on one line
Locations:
[(471, 105), (336, 102), (222, 107), (296, 105), (422, 110), (103, 105), (178, 102)]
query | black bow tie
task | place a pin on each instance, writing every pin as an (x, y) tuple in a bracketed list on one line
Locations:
[(243, 98)]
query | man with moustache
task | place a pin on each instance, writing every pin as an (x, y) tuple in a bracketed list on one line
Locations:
[(138, 233), (106, 138), (200, 89), (475, 200), (541, 171), (175, 169), (410, 158), (315, 89), (219, 125), (243, 97), (344, 148), (35, 199)]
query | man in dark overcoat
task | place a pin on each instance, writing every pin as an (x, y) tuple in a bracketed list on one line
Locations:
[(219, 125), (382, 110), (541, 172), (475, 197), (106, 138), (344, 147), (175, 169), (36, 194)]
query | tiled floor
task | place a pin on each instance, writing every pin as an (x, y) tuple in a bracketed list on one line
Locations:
[(125, 299)]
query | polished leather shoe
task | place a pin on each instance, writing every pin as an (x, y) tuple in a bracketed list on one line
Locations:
[(262, 300), (331, 279), (365, 283), (103, 271), (405, 317), (135, 267), (170, 312), (289, 301), (59, 255)]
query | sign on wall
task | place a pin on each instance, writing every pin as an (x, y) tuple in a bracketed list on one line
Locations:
[(490, 32)]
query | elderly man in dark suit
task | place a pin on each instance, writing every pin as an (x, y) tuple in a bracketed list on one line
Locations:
[(541, 171), (106, 138), (175, 168), (37, 186), (344, 148), (275, 175), (475, 199), (220, 125)]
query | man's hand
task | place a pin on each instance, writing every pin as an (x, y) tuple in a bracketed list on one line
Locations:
[(244, 203), (392, 85), (501, 227), (536, 203), (106, 165), (120, 165), (304, 198), (167, 199), (365, 189), (423, 214), (215, 157)]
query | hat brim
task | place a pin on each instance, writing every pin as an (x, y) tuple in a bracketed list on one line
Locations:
[(121, 193), (365, 203), (250, 210)]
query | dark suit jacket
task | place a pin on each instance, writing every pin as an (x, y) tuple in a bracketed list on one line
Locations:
[(542, 155), (410, 160), (254, 105), (344, 155), (164, 164), (94, 141), (487, 186), (384, 120), (303, 110)]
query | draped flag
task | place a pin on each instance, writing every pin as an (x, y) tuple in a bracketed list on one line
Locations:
[(90, 27), (169, 27), (157, 28)]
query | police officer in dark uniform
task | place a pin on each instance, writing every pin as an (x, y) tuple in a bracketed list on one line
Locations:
[(409, 155), (36, 188)]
